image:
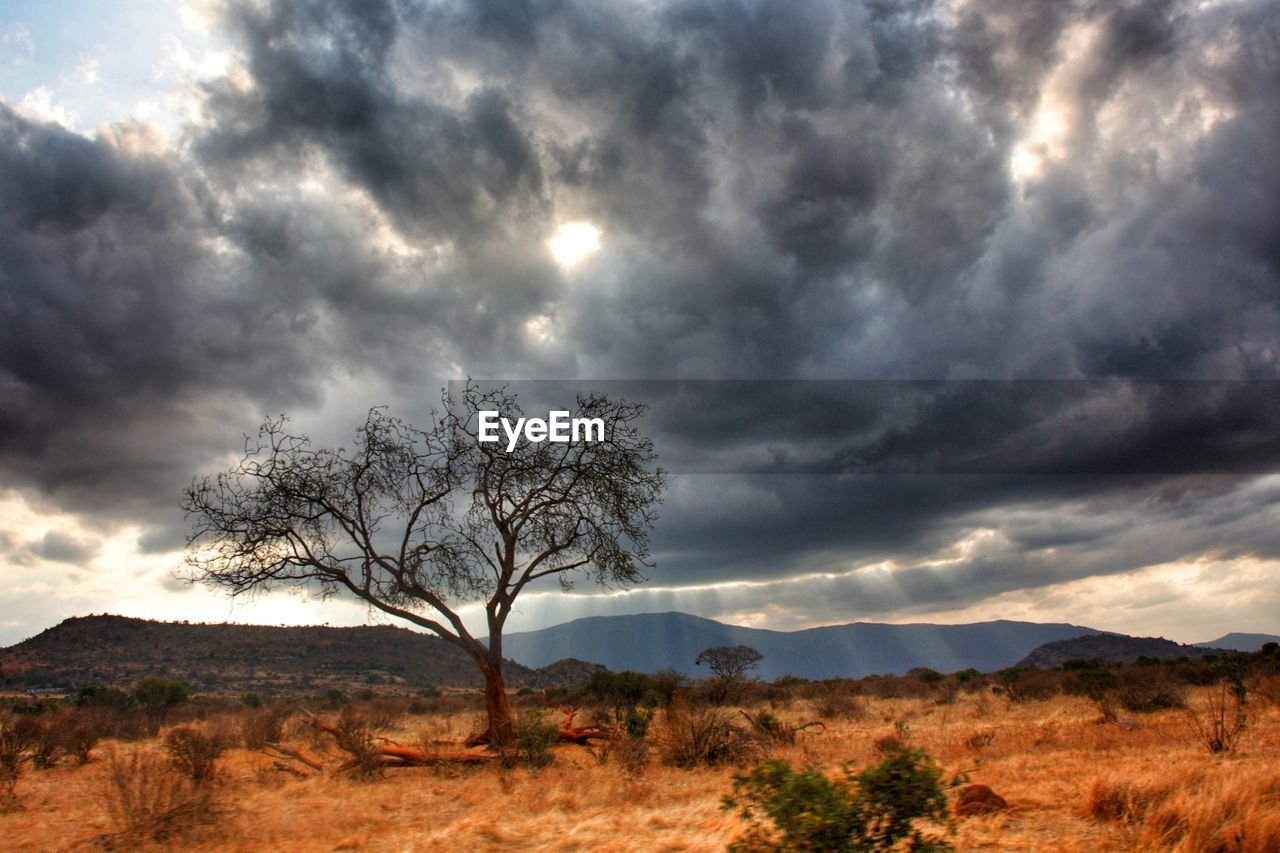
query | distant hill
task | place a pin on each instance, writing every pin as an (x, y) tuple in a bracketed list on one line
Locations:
[(118, 651), (565, 673), (652, 641), (1110, 648), (1241, 642)]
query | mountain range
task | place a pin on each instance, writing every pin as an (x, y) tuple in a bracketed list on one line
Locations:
[(1238, 642), (651, 641), (116, 650)]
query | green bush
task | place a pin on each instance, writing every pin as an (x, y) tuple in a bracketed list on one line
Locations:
[(534, 739), (622, 691), (106, 698), (157, 697), (875, 809)]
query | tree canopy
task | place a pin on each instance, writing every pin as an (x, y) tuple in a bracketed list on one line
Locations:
[(730, 663), (419, 521)]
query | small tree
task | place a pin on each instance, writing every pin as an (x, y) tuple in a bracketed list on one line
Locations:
[(417, 522), (157, 697), (730, 662), (729, 665)]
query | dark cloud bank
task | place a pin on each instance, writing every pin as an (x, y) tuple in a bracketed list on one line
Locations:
[(1082, 193)]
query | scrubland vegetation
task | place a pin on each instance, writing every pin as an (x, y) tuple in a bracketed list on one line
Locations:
[(1150, 756)]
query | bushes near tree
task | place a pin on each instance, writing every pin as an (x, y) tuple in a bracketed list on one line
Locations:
[(873, 809)]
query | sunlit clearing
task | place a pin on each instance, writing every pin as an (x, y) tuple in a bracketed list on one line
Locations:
[(573, 242)]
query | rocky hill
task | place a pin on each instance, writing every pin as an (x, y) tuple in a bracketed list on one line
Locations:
[(1110, 648), (118, 651)]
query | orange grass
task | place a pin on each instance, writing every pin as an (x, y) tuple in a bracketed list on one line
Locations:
[(1072, 784)]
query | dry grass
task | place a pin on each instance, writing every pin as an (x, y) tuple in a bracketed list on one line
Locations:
[(1193, 806), (1072, 783)]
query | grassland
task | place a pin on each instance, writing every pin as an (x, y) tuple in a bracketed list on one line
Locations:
[(1075, 778)]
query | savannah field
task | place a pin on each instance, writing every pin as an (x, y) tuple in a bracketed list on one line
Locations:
[(1077, 773)]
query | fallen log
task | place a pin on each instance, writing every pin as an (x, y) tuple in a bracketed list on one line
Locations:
[(389, 754), (567, 733), (296, 755)]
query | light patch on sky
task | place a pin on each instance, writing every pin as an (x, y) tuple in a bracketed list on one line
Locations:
[(88, 63), (114, 575), (1185, 602)]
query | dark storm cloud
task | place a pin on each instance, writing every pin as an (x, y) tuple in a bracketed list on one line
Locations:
[(321, 81), (785, 191)]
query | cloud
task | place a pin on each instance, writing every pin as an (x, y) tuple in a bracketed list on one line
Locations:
[(987, 190), (64, 549)]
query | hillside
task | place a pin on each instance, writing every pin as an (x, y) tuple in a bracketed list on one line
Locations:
[(1110, 648), (1238, 642), (652, 641), (116, 650)]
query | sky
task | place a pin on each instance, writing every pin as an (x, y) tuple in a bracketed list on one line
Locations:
[(946, 311)]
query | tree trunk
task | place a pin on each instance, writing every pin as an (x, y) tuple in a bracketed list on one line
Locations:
[(501, 725)]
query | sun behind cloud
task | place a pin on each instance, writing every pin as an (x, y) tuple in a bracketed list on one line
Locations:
[(574, 241)]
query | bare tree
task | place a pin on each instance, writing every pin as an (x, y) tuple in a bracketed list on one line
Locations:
[(417, 522)]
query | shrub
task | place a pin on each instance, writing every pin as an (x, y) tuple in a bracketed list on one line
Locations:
[(836, 703), (897, 686), (946, 691), (49, 737), (1222, 722), (157, 697), (704, 737), (1144, 689), (1268, 687), (263, 726), (1233, 669), (631, 754), (43, 746), (105, 698), (193, 752), (665, 684), (147, 800), (620, 691), (875, 809), (355, 736), (533, 741), (14, 743), (1025, 685), (770, 730), (926, 675), (1091, 680)]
